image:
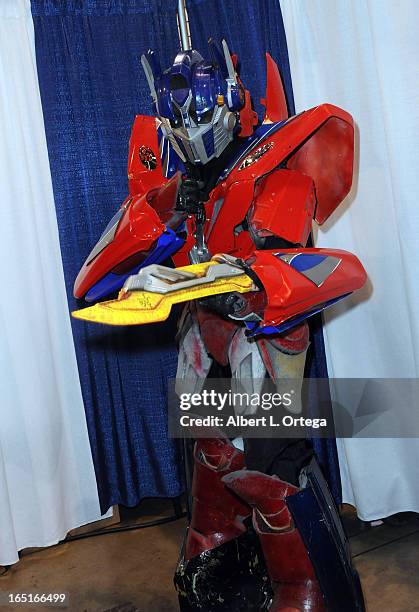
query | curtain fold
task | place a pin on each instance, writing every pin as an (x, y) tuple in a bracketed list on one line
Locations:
[(251, 29), (47, 480), (92, 86), (365, 59)]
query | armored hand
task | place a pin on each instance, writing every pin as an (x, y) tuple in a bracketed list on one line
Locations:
[(235, 305)]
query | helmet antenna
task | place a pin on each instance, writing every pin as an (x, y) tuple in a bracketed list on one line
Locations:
[(183, 26)]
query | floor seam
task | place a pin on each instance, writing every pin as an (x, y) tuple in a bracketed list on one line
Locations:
[(406, 535)]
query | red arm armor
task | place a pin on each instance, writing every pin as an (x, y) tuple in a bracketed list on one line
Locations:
[(299, 282), (308, 184)]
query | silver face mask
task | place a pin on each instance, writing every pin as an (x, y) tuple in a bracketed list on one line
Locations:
[(200, 141)]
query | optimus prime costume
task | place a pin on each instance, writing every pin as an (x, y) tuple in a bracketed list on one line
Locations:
[(232, 200)]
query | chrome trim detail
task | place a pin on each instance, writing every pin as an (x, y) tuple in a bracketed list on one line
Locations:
[(217, 207), (255, 155), (162, 279), (318, 273), (322, 271)]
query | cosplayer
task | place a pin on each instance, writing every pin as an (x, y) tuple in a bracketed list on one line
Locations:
[(232, 200)]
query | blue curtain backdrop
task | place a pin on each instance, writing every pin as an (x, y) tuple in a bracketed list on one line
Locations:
[(92, 86)]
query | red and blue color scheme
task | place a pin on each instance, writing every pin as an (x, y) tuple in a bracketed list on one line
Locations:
[(259, 190), (286, 173)]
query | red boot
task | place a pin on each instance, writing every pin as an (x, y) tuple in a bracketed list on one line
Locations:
[(217, 514), (296, 586)]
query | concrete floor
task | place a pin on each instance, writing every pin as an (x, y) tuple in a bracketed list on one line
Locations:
[(132, 571)]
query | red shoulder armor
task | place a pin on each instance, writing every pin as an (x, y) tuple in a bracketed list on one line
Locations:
[(318, 143), (300, 282)]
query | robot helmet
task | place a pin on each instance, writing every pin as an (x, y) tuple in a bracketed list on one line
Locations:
[(197, 101)]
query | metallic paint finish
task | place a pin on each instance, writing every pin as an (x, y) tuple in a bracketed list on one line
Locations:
[(291, 293), (275, 102), (284, 206), (168, 243), (107, 236)]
